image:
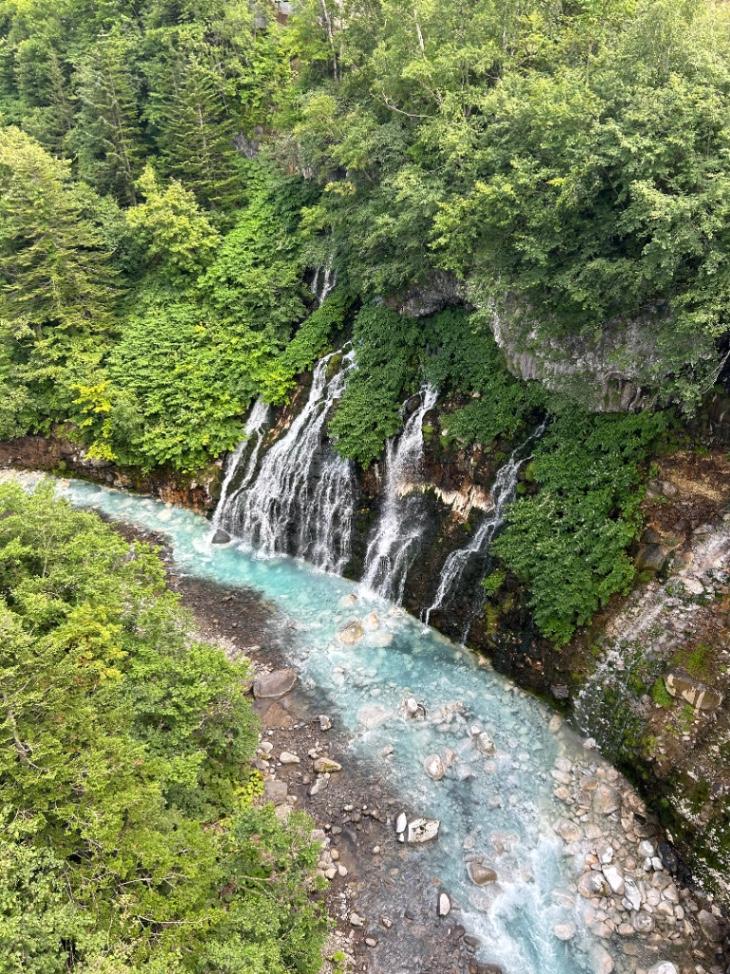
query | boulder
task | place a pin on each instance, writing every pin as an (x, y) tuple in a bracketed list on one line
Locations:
[(710, 925), (271, 686), (434, 767), (485, 743), (352, 633), (564, 931), (605, 799), (614, 879), (652, 557), (327, 766), (663, 967), (275, 791), (220, 537), (413, 708), (286, 757), (422, 830), (480, 874), (701, 696)]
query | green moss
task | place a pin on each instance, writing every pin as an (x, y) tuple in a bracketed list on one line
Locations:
[(660, 695)]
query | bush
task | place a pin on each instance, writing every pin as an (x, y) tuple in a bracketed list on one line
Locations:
[(128, 839), (568, 542)]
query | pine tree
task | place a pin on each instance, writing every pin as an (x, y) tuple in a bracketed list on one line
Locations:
[(194, 132), (108, 134), (53, 265)]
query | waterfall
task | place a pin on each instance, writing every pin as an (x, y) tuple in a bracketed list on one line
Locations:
[(302, 499), (324, 282), (254, 429), (503, 492), (396, 539)]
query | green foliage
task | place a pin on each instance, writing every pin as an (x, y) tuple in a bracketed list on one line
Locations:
[(56, 285), (107, 138), (387, 348), (128, 842), (569, 161), (660, 695), (175, 235), (568, 541), (463, 360)]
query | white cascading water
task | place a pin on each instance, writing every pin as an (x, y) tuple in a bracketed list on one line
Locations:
[(503, 493), (396, 539), (302, 500), (254, 430), (324, 282)]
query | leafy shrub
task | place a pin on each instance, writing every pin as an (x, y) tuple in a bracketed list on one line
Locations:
[(387, 355), (568, 541), (127, 841)]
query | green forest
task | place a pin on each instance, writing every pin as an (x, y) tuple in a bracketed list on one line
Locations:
[(130, 837), (174, 173)]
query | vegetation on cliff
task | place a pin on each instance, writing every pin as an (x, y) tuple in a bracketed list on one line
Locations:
[(130, 840)]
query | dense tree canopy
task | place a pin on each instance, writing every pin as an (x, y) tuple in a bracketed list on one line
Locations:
[(129, 838)]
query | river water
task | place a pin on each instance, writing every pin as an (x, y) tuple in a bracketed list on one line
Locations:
[(497, 807)]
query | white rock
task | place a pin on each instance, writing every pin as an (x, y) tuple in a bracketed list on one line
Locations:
[(444, 905), (423, 830), (325, 723), (485, 743), (556, 722), (356, 920), (663, 967), (434, 767), (401, 823), (614, 879), (564, 931), (286, 757), (351, 633), (413, 708), (632, 896)]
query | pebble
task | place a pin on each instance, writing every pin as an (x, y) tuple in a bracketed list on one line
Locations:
[(287, 757), (444, 905), (356, 920)]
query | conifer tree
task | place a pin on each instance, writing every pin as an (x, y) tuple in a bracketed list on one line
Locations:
[(194, 132), (53, 266), (108, 135)]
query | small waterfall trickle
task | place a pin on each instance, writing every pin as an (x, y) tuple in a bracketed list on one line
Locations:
[(324, 282), (396, 539), (503, 493), (302, 499), (253, 431)]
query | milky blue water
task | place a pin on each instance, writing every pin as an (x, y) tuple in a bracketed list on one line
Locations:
[(500, 808)]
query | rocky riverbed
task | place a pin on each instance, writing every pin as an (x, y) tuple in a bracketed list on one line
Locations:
[(625, 890)]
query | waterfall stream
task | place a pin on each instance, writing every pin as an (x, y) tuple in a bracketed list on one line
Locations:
[(254, 432), (301, 499), (503, 493), (324, 282), (395, 541)]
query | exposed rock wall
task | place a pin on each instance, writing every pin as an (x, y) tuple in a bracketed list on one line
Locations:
[(58, 455)]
